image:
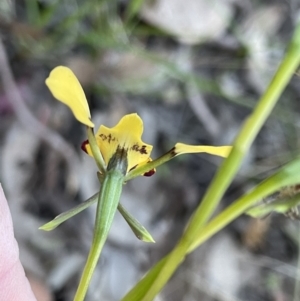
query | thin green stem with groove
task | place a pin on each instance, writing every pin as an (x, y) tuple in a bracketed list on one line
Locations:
[(107, 205), (226, 172), (288, 175)]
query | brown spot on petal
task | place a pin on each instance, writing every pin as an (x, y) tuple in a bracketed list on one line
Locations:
[(109, 138), (103, 137), (83, 145), (139, 149), (149, 173)]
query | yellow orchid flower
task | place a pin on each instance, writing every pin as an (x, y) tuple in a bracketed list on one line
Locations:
[(125, 135), (121, 155)]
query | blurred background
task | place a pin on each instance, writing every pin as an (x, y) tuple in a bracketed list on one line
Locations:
[(193, 70)]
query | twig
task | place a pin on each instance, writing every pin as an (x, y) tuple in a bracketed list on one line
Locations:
[(34, 126)]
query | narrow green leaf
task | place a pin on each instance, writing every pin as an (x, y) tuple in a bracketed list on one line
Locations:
[(138, 229), (139, 290), (286, 176), (70, 213)]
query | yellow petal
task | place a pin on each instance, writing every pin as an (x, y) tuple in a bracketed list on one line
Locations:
[(222, 151), (66, 88), (125, 135)]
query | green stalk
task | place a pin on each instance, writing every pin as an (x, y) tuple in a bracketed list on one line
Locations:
[(107, 205), (286, 176), (245, 139), (228, 169)]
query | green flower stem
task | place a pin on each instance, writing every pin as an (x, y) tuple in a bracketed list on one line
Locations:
[(96, 151), (286, 176), (107, 205), (229, 168)]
